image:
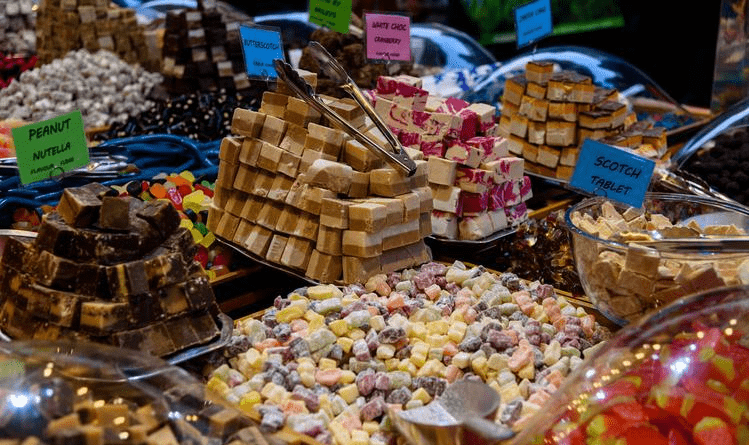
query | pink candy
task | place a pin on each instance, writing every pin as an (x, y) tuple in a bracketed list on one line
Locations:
[(521, 357), (433, 291), (474, 203), (328, 377), (436, 148), (452, 105)]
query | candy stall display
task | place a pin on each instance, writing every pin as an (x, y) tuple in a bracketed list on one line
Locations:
[(330, 362)]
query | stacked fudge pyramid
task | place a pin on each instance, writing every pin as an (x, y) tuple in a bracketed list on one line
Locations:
[(298, 193), (111, 270), (202, 52), (547, 116), (478, 187), (67, 25)]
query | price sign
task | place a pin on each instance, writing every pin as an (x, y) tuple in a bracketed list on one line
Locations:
[(532, 21), (261, 46), (617, 174), (388, 37), (50, 148), (332, 14)]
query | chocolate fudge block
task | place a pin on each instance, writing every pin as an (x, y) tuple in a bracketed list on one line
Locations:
[(173, 300), (16, 254), (103, 317), (205, 326), (144, 309), (114, 213), (127, 279), (165, 270), (199, 292), (79, 207), (182, 333), (162, 215)]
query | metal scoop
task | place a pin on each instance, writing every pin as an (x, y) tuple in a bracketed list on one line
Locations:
[(460, 416)]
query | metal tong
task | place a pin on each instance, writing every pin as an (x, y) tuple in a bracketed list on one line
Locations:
[(397, 156)]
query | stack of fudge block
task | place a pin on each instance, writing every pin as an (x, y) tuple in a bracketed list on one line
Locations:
[(547, 115), (202, 52), (478, 187), (294, 191), (67, 25)]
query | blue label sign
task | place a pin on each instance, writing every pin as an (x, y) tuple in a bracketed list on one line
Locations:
[(532, 21), (608, 171), (260, 47)]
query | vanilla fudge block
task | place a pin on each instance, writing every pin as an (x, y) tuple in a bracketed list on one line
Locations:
[(335, 213), (288, 220), (307, 227), (382, 106), (269, 157), (309, 156), (280, 188), (474, 180), (462, 153), (359, 185), (548, 156), (411, 205), (516, 214), (300, 113), (79, 207), (394, 207), (534, 109), (226, 173), (388, 182), (420, 178), (367, 217), (269, 214), (332, 175), (297, 253), (441, 171), (214, 215), (498, 219), (560, 134), (349, 110), (273, 130), (324, 268), (492, 148), (358, 270), (539, 71), (569, 156), (518, 125), (294, 197), (263, 183), (514, 89), (288, 164), (294, 138), (617, 110), (642, 260), (236, 202), (414, 153), (244, 179), (276, 248), (251, 208), (325, 139), (274, 104), (447, 199), (444, 224), (244, 228), (401, 235), (425, 199), (537, 133), (564, 111), (535, 90), (504, 125), (230, 148), (312, 198), (258, 241), (250, 151), (227, 226), (486, 114), (359, 157), (473, 204), (247, 122), (475, 227), (329, 240), (361, 244)]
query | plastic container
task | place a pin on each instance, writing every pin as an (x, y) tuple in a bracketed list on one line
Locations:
[(89, 393), (625, 282), (680, 376)]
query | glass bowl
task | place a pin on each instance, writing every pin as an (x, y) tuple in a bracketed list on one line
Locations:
[(624, 279), (60, 392), (679, 376)]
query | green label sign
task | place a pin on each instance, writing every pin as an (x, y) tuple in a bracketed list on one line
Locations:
[(50, 148), (332, 14)]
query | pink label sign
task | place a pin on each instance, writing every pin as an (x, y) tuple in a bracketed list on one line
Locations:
[(388, 36)]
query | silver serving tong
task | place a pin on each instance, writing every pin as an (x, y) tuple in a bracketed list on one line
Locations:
[(397, 156), (99, 167)]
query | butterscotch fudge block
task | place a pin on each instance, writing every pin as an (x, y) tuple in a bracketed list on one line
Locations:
[(329, 240), (324, 268), (361, 244), (79, 207), (359, 157), (280, 188), (308, 76), (324, 139), (509, 108), (230, 148), (401, 235), (564, 111), (247, 122), (251, 208), (536, 90), (244, 180), (504, 124), (518, 125), (358, 270), (537, 132), (273, 130), (530, 152), (548, 156), (269, 214), (312, 199), (350, 111), (425, 224), (335, 213), (226, 173), (250, 151), (263, 183), (288, 220), (534, 109), (214, 215), (297, 253), (442, 171), (243, 231), (300, 113), (569, 86), (258, 241), (388, 182), (274, 104), (269, 157), (331, 175), (309, 156), (564, 172), (288, 164), (276, 248), (236, 202), (411, 205), (514, 90), (227, 226), (425, 199), (366, 216), (559, 133), (539, 71), (515, 145), (294, 138), (307, 227), (395, 210)]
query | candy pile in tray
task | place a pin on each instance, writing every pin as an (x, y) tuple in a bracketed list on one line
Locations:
[(17, 27), (68, 25), (298, 193), (108, 269), (478, 188), (547, 116), (329, 363)]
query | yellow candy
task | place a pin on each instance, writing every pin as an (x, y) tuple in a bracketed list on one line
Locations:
[(316, 321), (461, 359), (323, 292), (218, 386), (385, 351), (497, 361), (528, 371), (186, 223), (290, 312), (187, 174), (510, 391), (307, 378), (340, 433), (421, 395), (327, 363), (339, 327), (436, 340), (357, 334), (349, 393), (194, 201), (418, 359), (359, 437), (345, 343), (370, 427), (479, 365), (391, 364), (208, 240), (196, 235), (249, 400), (377, 323), (438, 327), (420, 347), (347, 377), (211, 274), (417, 329)]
